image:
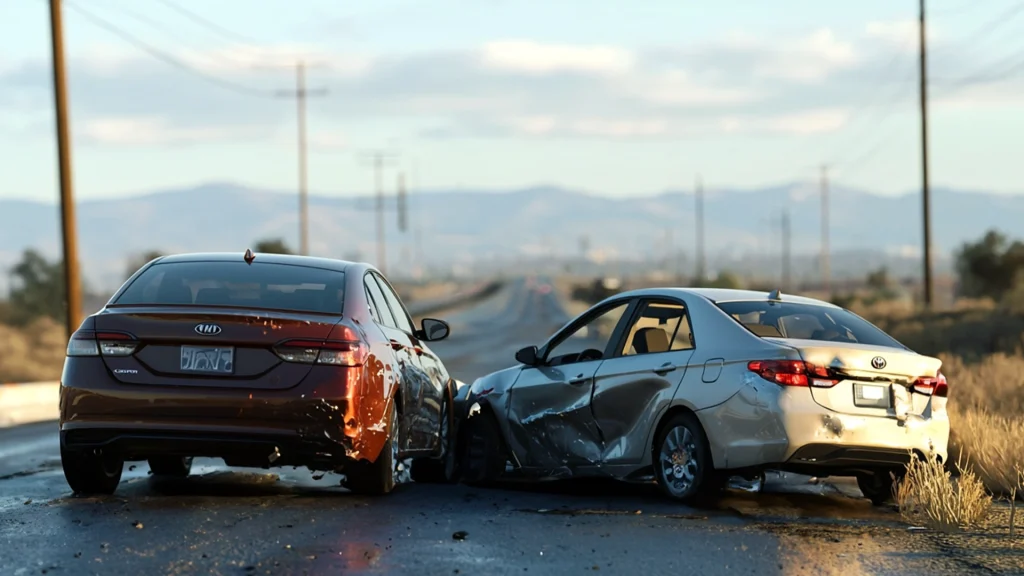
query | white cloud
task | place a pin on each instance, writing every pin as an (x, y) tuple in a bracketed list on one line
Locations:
[(901, 34), (154, 131), (536, 58), (675, 87), (736, 85), (243, 58), (809, 59)]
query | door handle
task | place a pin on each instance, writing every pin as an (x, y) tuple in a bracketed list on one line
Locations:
[(396, 345), (581, 379), (665, 368)]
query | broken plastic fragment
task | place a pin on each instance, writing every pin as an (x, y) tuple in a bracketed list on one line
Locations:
[(474, 410)]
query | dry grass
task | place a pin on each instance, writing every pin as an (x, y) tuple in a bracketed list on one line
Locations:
[(34, 353), (929, 496)]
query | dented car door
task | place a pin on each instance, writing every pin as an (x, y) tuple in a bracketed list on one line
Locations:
[(550, 416), (640, 378)]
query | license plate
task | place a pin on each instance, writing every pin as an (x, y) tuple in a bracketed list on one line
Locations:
[(868, 395), (207, 359)]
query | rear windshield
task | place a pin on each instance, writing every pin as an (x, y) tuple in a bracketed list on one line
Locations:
[(806, 322), (265, 286)]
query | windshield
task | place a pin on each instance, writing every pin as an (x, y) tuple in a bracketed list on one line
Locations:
[(257, 285), (806, 322)]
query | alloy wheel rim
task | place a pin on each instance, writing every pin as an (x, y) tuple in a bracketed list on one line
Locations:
[(678, 460)]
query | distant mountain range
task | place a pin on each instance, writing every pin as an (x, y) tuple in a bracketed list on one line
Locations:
[(488, 230)]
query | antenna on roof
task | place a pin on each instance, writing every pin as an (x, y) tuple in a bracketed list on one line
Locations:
[(775, 295), (249, 256)]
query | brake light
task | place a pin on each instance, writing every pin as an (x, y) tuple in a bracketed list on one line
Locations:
[(929, 386), (793, 373), (330, 352), (92, 343)]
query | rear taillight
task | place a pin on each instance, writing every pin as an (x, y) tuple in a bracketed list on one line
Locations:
[(330, 352), (793, 373), (930, 386), (92, 343)]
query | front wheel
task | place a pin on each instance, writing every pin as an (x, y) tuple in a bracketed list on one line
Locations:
[(483, 455), (377, 478), (682, 462), (89, 473)]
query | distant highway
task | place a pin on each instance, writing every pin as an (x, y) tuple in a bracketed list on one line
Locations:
[(224, 521)]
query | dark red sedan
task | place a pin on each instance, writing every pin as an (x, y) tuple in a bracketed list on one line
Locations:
[(261, 360)]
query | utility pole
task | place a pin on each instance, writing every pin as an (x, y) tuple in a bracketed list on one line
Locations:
[(699, 214), (929, 294), (72, 283), (826, 276), (300, 94), (379, 157), (785, 251)]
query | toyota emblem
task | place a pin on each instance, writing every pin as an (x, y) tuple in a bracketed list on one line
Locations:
[(207, 329), (878, 362)]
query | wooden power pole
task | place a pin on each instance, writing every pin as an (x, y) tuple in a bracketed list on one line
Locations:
[(300, 94), (929, 292), (699, 214), (826, 273), (72, 282)]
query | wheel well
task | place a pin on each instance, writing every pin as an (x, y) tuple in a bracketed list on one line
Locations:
[(666, 418), (397, 399)]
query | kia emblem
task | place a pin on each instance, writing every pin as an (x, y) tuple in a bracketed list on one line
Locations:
[(878, 362), (207, 329)]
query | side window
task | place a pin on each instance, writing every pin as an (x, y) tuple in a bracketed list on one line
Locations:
[(399, 311), (658, 329), (371, 304), (589, 341), (378, 298)]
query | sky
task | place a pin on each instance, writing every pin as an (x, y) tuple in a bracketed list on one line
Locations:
[(613, 97)]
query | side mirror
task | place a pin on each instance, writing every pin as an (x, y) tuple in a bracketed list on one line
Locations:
[(527, 356), (434, 330)]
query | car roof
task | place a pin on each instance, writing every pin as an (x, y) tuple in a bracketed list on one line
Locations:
[(718, 295), (290, 259)]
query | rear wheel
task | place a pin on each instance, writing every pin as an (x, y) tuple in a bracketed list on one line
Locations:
[(484, 453), (878, 486), (89, 473), (439, 470), (682, 463), (171, 466), (377, 478)]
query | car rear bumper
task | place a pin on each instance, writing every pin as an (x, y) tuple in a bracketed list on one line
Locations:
[(254, 447), (321, 423), (786, 429)]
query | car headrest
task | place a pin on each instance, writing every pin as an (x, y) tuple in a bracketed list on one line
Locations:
[(650, 341)]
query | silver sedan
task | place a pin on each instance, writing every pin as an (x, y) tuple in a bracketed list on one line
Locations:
[(687, 387)]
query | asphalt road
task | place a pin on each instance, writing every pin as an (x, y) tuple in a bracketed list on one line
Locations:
[(231, 521)]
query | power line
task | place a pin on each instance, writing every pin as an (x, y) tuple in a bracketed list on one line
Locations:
[(207, 23), (164, 56)]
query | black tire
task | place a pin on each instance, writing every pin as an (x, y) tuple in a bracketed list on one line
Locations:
[(483, 456), (441, 469), (377, 478), (682, 462), (878, 486), (88, 473), (171, 466)]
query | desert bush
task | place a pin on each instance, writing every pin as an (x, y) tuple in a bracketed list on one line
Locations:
[(928, 495)]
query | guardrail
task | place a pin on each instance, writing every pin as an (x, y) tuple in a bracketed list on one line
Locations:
[(27, 402)]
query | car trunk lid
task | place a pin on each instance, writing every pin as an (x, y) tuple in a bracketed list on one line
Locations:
[(868, 380), (208, 346)]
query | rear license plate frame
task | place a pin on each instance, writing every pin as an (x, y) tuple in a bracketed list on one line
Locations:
[(210, 355), (872, 395)]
